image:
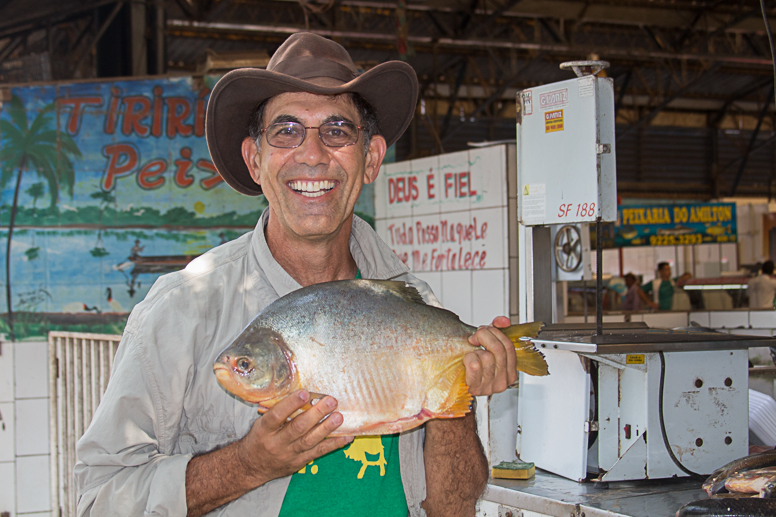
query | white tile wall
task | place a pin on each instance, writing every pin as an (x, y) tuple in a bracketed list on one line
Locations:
[(6, 372), (32, 484), (666, 319), (8, 487), (32, 427), (31, 360), (762, 319), (701, 318), (491, 182), (457, 293), (7, 432), (489, 295), (24, 433), (729, 319), (423, 168)]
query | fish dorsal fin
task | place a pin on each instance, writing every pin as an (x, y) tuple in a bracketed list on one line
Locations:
[(398, 288)]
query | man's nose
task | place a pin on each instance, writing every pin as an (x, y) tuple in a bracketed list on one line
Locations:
[(312, 151)]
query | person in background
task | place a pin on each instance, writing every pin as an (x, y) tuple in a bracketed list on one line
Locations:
[(635, 298), (662, 288), (762, 288)]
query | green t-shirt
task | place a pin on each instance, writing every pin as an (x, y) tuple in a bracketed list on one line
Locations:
[(361, 479), (665, 297)]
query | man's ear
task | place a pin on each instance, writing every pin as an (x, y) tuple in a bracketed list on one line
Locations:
[(374, 158), (250, 157)]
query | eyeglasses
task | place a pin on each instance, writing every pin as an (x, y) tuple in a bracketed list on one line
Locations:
[(287, 135)]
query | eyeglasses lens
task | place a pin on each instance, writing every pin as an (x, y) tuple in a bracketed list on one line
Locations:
[(292, 134)]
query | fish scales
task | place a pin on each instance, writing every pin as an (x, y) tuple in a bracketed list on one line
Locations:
[(729, 507), (390, 360)]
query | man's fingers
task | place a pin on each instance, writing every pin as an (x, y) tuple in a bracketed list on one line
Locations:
[(501, 322), (319, 432), (495, 342), (278, 415), (303, 423)]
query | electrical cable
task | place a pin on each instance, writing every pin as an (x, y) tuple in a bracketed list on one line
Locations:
[(694, 475)]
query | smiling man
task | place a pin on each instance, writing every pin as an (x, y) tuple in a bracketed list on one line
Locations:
[(308, 132)]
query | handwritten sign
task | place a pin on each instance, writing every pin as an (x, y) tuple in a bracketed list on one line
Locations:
[(445, 213)]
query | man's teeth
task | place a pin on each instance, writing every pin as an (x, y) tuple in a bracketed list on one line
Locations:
[(312, 188)]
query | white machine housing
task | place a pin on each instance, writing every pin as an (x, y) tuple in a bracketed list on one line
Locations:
[(704, 410), (565, 152)]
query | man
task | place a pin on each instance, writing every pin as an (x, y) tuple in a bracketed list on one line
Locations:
[(635, 296), (166, 439), (762, 288), (662, 288)]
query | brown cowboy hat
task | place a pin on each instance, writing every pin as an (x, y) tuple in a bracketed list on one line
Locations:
[(305, 62)]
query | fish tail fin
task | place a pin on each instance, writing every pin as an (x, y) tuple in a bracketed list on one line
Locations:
[(529, 359)]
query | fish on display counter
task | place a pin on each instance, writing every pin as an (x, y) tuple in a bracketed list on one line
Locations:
[(757, 481), (715, 483), (391, 361), (729, 507)]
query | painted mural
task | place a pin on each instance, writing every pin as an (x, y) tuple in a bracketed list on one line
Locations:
[(106, 186)]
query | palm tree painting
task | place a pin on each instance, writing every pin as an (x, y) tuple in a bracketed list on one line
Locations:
[(35, 147)]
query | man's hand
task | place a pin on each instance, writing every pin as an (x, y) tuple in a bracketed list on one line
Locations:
[(491, 370), (274, 447)]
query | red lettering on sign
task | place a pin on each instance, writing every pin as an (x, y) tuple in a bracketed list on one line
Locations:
[(215, 179), (150, 176), (182, 177), (113, 111), (430, 186), (199, 113), (156, 124), (76, 114), (122, 159), (178, 110), (133, 116)]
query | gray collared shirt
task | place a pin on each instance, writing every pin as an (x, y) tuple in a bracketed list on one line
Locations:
[(163, 404)]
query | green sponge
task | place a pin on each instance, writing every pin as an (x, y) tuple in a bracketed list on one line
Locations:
[(514, 470)]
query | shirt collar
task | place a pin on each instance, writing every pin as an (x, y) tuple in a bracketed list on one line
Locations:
[(373, 257)]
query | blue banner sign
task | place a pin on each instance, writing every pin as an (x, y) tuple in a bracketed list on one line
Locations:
[(674, 225)]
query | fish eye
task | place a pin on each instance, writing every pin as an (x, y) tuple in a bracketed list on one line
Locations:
[(243, 364)]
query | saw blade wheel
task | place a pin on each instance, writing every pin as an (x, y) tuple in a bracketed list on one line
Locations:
[(568, 248)]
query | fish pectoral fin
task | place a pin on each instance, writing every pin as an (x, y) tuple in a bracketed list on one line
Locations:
[(457, 399), (460, 401)]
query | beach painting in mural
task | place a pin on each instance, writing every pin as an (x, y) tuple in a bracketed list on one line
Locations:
[(106, 186)]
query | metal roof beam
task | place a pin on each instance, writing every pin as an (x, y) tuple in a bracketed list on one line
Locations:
[(752, 141)]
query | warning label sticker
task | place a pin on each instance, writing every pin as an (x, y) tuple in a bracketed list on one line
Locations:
[(634, 359), (527, 103), (553, 121), (534, 203)]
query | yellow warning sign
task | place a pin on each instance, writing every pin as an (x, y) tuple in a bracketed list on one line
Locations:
[(553, 121), (634, 359)]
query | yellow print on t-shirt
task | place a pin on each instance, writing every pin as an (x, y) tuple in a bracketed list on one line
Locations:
[(363, 445)]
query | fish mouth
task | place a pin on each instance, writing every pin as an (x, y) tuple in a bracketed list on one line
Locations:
[(310, 188), (226, 378)]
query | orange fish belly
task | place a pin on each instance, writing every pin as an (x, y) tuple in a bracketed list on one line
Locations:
[(388, 389)]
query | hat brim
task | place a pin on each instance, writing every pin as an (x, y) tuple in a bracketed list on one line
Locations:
[(391, 88)]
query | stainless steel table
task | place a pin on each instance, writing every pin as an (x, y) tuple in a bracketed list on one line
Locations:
[(549, 494)]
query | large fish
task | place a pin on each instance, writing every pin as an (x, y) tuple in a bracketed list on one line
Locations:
[(715, 483), (729, 507), (757, 481), (391, 361)]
